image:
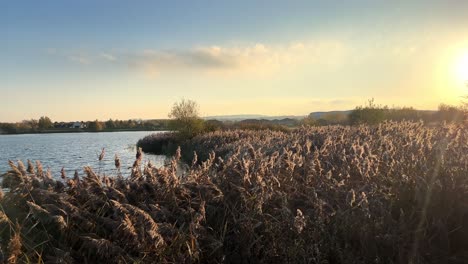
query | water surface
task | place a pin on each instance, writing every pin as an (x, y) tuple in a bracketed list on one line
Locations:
[(73, 151)]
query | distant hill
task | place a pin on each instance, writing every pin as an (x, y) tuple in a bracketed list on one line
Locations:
[(249, 117), (282, 122), (286, 119), (318, 115)]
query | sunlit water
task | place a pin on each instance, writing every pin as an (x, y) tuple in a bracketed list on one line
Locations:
[(73, 151)]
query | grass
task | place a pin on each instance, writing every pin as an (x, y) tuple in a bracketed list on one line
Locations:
[(393, 193)]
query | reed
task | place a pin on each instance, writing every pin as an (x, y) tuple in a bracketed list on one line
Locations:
[(392, 193)]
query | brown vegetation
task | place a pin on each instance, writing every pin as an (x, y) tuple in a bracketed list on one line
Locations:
[(392, 193)]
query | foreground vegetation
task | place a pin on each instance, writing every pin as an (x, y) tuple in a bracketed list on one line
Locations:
[(392, 193)]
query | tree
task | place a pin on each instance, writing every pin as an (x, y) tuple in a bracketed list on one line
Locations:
[(309, 121), (44, 122), (29, 125), (7, 128), (95, 126), (186, 120), (110, 124), (369, 114), (450, 113), (403, 113)]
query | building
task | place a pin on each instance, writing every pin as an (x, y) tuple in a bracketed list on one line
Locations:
[(78, 125)]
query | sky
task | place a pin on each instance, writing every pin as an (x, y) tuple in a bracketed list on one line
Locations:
[(86, 60)]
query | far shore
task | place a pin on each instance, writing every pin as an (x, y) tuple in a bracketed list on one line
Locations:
[(78, 130)]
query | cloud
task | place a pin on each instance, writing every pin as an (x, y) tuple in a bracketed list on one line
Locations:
[(81, 59), (215, 59), (107, 57), (256, 58), (86, 59)]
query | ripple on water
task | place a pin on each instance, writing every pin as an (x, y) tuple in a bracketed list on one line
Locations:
[(73, 151)]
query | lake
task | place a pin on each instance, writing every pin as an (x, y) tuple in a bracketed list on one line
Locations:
[(73, 151)]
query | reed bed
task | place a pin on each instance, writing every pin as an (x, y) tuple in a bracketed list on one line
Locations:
[(392, 193)]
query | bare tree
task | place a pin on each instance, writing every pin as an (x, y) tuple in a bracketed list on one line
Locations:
[(186, 120)]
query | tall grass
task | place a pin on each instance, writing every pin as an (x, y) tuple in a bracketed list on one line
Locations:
[(393, 193)]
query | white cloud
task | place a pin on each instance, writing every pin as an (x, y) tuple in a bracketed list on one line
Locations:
[(108, 57), (256, 58)]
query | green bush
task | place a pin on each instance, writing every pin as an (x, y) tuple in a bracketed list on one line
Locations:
[(369, 114), (185, 119), (44, 123)]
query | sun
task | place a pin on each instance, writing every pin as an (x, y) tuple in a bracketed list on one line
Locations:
[(461, 67)]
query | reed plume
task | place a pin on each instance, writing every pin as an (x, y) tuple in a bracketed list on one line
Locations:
[(392, 193)]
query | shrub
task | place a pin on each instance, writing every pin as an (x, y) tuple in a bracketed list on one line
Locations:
[(159, 143), (369, 114), (450, 113), (44, 122), (186, 120)]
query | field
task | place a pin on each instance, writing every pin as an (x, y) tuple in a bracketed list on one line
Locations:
[(391, 193)]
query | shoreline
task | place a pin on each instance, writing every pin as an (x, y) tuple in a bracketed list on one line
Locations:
[(64, 131)]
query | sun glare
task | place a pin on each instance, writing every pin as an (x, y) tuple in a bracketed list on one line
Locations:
[(462, 67)]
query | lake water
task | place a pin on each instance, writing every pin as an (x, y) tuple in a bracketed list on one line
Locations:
[(73, 151)]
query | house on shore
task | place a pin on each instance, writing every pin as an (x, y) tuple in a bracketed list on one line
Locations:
[(78, 125), (74, 125)]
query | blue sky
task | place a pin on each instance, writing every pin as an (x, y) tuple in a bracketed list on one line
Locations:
[(79, 60)]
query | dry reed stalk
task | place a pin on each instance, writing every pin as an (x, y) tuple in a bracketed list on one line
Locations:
[(40, 170), (15, 245), (21, 168), (139, 154), (117, 162), (30, 168), (63, 175), (103, 153)]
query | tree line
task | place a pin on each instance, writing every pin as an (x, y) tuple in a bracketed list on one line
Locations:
[(184, 117), (45, 124)]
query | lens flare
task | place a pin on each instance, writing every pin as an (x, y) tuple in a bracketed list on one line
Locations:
[(462, 67)]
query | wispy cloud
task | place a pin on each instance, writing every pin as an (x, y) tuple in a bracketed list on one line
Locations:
[(108, 57), (81, 59), (228, 59), (86, 59), (256, 58)]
